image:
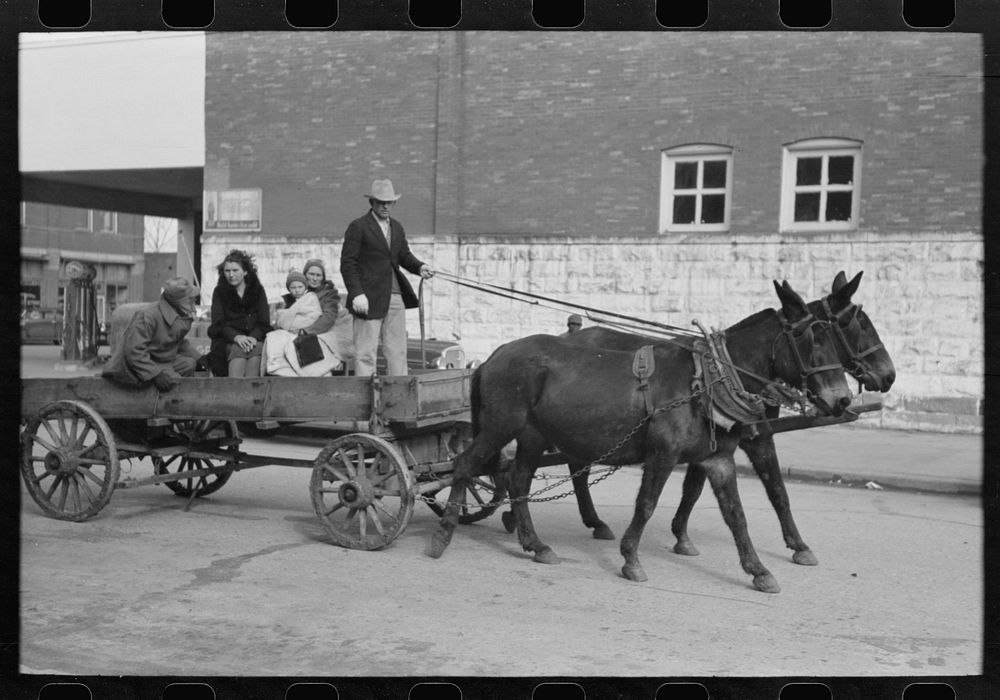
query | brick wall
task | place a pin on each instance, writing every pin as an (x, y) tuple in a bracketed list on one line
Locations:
[(533, 160)]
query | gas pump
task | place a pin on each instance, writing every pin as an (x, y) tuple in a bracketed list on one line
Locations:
[(80, 314)]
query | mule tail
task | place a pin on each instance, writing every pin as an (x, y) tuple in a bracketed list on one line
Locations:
[(475, 400)]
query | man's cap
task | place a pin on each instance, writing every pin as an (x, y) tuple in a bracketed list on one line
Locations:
[(383, 192), (574, 320), (178, 289)]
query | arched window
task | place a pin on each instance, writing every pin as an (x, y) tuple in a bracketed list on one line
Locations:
[(821, 185), (696, 187)]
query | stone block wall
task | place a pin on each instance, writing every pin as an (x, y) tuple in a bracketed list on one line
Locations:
[(928, 311)]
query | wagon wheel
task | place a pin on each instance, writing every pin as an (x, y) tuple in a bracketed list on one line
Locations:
[(362, 491), (487, 497), (69, 460), (202, 435)]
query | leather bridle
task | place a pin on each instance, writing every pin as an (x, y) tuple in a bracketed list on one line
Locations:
[(794, 331), (851, 359)]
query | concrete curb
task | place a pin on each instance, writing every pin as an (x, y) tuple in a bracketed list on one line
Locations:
[(891, 482), (319, 436)]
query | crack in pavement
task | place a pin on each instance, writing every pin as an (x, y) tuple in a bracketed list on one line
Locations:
[(224, 570)]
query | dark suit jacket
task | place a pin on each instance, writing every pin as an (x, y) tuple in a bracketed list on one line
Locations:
[(368, 265)]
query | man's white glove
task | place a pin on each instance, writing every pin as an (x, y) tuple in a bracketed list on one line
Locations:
[(360, 304)]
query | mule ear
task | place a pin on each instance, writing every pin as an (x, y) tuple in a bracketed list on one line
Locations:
[(791, 303), (839, 281), (842, 294)]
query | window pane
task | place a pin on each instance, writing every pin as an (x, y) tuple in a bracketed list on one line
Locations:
[(684, 210), (685, 176), (838, 206), (103, 220), (840, 170), (714, 174), (713, 208), (807, 206), (35, 214), (807, 171)]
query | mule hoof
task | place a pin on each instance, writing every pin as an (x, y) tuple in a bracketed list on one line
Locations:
[(805, 558), (634, 573), (439, 542), (603, 532), (686, 548), (766, 583), (509, 521), (546, 556)]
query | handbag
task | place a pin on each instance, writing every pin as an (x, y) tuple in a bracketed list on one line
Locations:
[(307, 349)]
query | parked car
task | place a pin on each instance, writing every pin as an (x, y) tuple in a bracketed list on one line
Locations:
[(436, 354), (39, 325)]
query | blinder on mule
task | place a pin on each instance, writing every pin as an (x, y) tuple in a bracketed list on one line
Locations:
[(798, 330), (851, 359)]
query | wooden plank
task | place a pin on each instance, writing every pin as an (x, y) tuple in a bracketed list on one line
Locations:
[(789, 423), (417, 399), (224, 398)]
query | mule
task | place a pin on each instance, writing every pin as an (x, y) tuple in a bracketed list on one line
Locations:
[(544, 390), (861, 353)]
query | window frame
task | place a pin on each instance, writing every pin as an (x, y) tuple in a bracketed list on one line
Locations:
[(95, 225), (824, 148), (698, 153)]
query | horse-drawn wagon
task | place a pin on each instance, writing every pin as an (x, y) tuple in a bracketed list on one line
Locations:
[(679, 399), (392, 441)]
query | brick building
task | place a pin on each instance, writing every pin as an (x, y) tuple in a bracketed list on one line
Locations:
[(52, 235), (110, 130), (668, 176)]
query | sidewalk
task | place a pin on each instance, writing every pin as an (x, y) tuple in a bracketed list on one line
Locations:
[(848, 454)]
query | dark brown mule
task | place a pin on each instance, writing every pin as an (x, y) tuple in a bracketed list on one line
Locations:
[(861, 353), (544, 390)]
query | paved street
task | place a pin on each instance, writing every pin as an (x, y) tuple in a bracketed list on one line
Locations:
[(246, 583)]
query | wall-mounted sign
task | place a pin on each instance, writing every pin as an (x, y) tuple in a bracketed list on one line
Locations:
[(232, 210)]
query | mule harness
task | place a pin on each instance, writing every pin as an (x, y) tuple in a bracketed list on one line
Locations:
[(713, 366)]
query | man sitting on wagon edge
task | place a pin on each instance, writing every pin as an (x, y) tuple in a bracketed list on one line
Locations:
[(154, 346)]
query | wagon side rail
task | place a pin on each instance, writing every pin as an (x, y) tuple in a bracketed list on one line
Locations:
[(412, 401)]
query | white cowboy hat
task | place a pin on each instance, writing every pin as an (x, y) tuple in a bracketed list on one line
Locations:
[(383, 192)]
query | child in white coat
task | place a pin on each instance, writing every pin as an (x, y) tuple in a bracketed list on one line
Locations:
[(302, 308)]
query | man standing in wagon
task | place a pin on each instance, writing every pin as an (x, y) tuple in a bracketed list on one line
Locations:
[(378, 293)]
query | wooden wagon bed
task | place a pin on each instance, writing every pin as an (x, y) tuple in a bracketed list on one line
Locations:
[(412, 401)]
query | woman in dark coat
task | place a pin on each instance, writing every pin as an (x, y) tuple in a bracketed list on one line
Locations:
[(240, 318), (329, 297)]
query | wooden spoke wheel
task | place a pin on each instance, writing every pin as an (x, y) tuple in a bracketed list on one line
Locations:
[(217, 436), (482, 498), (362, 491), (69, 460)]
